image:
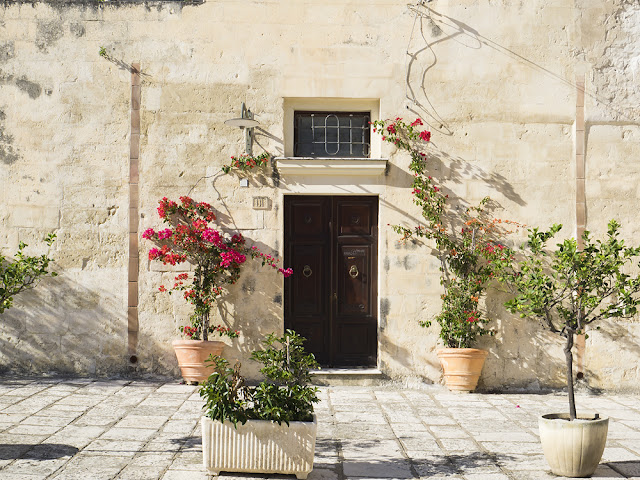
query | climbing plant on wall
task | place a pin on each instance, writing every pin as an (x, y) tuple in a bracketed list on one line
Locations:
[(469, 244)]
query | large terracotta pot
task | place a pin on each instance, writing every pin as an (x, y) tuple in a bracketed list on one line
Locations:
[(462, 367), (191, 357), (573, 449)]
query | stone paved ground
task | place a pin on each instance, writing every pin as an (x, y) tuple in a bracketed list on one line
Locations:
[(86, 429)]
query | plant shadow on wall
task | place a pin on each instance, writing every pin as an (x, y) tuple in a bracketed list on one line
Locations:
[(122, 65), (432, 26), (64, 328), (436, 28)]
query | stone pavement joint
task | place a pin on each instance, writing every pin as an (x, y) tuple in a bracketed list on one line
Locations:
[(94, 429)]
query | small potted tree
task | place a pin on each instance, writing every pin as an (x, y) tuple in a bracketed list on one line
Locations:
[(568, 289), (268, 428), (217, 260)]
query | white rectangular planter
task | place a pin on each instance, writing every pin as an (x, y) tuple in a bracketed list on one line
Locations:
[(259, 446)]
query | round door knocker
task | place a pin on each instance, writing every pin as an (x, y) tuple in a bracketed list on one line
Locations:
[(306, 271), (353, 271)]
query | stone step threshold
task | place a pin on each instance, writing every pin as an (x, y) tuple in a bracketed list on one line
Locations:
[(348, 376)]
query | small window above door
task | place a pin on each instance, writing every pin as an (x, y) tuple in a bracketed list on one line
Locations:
[(332, 134), (327, 137)]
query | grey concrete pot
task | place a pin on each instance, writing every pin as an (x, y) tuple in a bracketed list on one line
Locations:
[(573, 449)]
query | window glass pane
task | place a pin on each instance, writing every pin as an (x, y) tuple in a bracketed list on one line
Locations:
[(331, 134)]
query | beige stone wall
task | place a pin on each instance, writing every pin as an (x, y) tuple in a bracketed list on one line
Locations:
[(494, 80)]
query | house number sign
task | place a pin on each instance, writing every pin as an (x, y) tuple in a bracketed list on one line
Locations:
[(261, 203)]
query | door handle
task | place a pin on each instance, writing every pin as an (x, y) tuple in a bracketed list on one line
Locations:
[(353, 271)]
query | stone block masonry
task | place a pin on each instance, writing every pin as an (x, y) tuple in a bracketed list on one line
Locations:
[(529, 103)]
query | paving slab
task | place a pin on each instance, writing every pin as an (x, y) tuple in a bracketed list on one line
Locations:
[(88, 429)]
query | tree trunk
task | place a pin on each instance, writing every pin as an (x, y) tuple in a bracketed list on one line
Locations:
[(205, 326), (569, 359)]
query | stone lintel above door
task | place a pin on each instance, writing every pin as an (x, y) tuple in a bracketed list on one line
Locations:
[(331, 166)]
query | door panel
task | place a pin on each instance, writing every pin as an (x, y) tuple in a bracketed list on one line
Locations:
[(331, 299), (310, 218), (354, 218), (353, 280), (310, 261)]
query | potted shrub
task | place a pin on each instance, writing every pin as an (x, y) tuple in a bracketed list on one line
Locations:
[(468, 245), (568, 289), (268, 428), (23, 273), (217, 260), (469, 261)]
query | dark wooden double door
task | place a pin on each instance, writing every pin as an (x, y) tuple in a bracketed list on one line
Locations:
[(331, 299)]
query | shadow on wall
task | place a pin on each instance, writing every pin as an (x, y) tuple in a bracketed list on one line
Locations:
[(435, 28), (405, 357), (61, 327), (523, 355)]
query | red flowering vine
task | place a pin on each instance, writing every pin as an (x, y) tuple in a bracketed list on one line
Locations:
[(218, 259), (469, 255), (246, 162)]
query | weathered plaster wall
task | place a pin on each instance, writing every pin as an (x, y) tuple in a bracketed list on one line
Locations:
[(494, 80)]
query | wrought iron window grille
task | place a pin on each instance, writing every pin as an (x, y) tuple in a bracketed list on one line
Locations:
[(332, 134)]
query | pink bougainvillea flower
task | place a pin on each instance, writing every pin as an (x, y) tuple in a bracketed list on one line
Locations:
[(148, 233), (166, 233), (286, 272), (425, 135)]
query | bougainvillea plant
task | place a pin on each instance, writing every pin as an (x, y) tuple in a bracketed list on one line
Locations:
[(217, 259), (245, 162), (469, 245)]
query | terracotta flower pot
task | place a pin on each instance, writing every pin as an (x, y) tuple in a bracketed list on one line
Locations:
[(462, 367), (191, 357)]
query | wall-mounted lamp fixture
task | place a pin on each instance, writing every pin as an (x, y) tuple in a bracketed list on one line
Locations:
[(246, 123)]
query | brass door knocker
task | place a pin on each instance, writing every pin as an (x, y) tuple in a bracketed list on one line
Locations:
[(353, 271), (306, 271)]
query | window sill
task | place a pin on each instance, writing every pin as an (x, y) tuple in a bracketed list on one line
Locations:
[(331, 166)]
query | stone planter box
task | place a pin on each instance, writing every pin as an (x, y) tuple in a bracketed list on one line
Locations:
[(259, 446)]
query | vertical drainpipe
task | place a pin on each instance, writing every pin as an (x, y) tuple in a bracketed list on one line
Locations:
[(581, 202), (132, 310)]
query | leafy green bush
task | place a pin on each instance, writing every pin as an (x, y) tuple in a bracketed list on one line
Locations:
[(23, 273), (284, 397)]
